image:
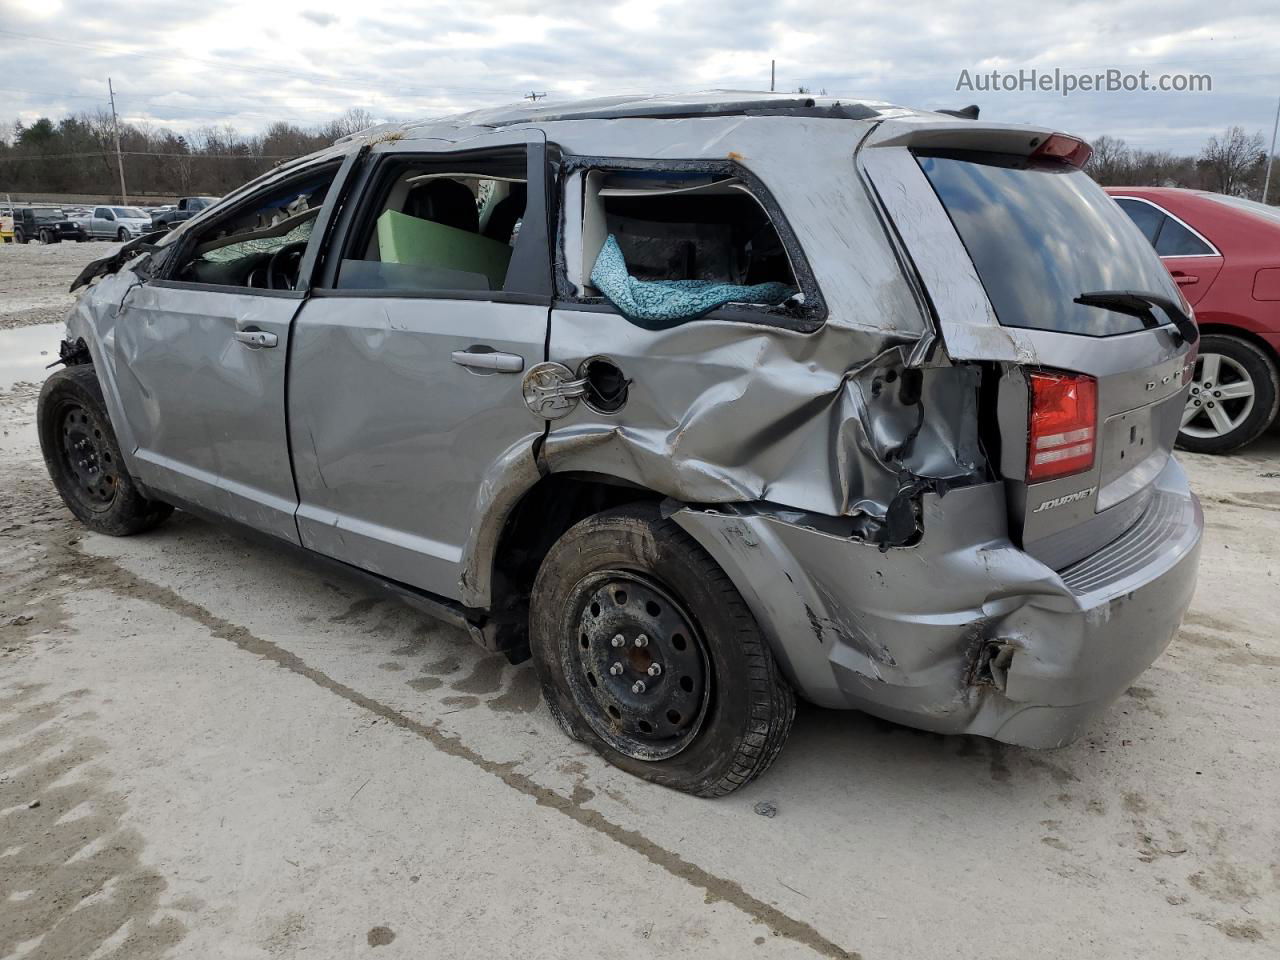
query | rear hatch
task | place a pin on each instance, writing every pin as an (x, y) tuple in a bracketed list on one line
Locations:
[(1007, 234)]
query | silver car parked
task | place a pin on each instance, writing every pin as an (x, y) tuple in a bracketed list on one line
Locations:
[(703, 402)]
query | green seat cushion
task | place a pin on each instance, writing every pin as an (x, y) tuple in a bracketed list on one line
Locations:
[(408, 240)]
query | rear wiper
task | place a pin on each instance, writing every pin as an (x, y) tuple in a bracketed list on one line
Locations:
[(1138, 303)]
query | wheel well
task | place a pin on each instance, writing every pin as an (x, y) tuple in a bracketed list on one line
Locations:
[(1224, 330), (553, 505)]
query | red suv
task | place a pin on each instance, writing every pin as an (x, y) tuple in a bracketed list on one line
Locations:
[(1224, 253)]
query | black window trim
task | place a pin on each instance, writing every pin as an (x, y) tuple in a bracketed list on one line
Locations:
[(813, 314), (1214, 252), (365, 190)]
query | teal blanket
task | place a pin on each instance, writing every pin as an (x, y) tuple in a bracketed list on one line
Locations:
[(662, 303)]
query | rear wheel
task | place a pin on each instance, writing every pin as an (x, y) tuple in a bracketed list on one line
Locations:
[(647, 652), (19, 236), (83, 457), (1235, 392)]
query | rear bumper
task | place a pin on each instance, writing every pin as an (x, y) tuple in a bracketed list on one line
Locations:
[(964, 632)]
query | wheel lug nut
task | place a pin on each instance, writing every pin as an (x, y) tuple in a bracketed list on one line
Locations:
[(1217, 393), (1211, 403), (619, 640), (638, 687), (615, 669), (655, 669), (642, 641)]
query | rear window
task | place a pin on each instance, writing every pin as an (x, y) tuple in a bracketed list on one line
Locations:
[(1040, 236)]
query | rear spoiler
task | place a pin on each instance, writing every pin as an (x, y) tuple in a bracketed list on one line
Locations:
[(106, 265)]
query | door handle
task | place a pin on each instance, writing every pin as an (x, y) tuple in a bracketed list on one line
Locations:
[(1185, 279), (489, 360), (257, 338)]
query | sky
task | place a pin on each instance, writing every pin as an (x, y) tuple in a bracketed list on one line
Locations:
[(185, 64)]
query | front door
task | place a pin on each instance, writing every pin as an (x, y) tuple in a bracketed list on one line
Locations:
[(405, 395), (201, 354)]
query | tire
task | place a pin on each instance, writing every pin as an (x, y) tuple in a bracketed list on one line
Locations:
[(1248, 375), (718, 712), (83, 457), (19, 237), (46, 237), (122, 235)]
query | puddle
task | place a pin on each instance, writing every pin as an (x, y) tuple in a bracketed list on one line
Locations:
[(26, 351)]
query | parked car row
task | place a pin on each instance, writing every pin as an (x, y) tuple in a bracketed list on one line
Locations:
[(54, 224)]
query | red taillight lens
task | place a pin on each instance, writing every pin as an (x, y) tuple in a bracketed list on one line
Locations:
[(1063, 149), (1063, 425)]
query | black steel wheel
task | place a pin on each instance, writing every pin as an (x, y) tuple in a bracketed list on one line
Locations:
[(647, 652), (638, 665), (83, 457)]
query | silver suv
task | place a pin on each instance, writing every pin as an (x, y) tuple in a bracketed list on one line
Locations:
[(703, 402)]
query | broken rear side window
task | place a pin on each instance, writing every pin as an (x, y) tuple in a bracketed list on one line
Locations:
[(440, 225), (664, 247)]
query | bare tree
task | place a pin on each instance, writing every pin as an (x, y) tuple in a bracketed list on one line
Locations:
[(1112, 162), (1233, 160)]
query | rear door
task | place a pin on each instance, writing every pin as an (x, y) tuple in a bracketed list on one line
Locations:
[(1004, 243), (1192, 260), (405, 400)]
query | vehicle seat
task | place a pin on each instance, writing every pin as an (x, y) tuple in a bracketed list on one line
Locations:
[(446, 202), (503, 217)]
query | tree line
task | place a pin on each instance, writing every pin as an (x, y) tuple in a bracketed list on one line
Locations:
[(1234, 162), (78, 155)]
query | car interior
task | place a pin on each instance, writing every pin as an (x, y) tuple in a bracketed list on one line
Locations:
[(672, 226), (439, 229), (260, 246)]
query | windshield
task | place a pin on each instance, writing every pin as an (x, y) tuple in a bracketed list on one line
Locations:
[(48, 213), (1040, 237), (129, 213)]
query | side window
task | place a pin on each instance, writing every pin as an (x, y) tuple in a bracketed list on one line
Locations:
[(261, 241), (664, 246), (1175, 240), (444, 225), (1147, 217)]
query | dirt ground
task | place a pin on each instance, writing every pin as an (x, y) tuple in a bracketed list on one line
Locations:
[(209, 748)]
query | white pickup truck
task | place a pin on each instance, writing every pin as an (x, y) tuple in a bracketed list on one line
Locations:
[(117, 223)]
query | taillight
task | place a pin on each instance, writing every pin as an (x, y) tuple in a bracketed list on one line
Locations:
[(1063, 425), (1064, 149)]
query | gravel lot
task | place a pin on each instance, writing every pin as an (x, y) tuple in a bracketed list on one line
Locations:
[(209, 748)]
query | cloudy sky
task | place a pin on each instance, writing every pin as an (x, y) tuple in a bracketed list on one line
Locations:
[(190, 63)]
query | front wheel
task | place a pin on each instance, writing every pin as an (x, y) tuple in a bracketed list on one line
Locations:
[(83, 457), (647, 652), (46, 237), (122, 234), (1235, 393)]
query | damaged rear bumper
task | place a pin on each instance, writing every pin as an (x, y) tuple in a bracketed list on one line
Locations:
[(963, 632)]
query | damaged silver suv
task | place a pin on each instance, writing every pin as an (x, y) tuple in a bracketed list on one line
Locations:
[(704, 402)]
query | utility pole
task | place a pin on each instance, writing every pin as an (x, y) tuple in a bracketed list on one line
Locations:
[(773, 74), (1271, 154), (115, 126)]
